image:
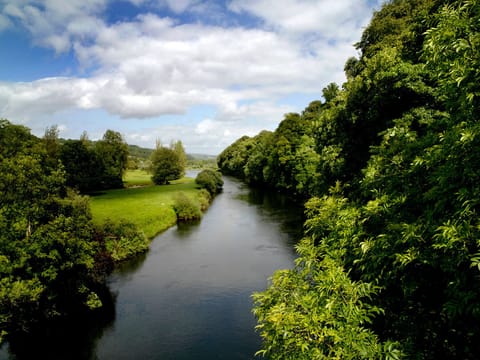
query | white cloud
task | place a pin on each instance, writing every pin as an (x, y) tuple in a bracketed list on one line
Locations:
[(5, 22), (152, 66), (205, 126), (338, 19), (55, 23)]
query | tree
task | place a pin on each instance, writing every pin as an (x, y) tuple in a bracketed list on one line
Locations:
[(397, 173), (166, 166), (177, 146), (451, 52), (113, 152), (330, 92), (232, 160), (315, 311), (51, 142), (84, 169), (47, 248), (256, 166)]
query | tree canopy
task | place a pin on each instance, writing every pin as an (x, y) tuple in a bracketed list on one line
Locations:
[(168, 163), (47, 242), (390, 164)]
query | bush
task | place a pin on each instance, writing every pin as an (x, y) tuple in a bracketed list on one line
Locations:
[(210, 180), (205, 199), (186, 209), (123, 240)]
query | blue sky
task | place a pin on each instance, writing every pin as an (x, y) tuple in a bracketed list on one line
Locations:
[(204, 72)]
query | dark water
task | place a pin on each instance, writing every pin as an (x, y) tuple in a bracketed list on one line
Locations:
[(190, 296)]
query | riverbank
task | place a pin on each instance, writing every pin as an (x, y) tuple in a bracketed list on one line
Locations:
[(147, 206)]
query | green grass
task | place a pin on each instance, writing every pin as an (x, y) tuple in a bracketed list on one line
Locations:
[(146, 205), (137, 178)]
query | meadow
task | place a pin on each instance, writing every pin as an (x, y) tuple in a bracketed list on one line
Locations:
[(146, 205)]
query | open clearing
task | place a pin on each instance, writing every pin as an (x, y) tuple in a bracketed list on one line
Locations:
[(146, 205)]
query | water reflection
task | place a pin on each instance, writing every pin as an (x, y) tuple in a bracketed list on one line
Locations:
[(74, 339), (185, 230)]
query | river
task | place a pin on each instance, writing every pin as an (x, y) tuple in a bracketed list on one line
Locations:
[(189, 297)]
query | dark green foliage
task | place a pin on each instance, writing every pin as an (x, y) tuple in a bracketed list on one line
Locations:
[(166, 166), (92, 166), (254, 169), (186, 209), (14, 139), (233, 159), (112, 151), (268, 159), (47, 243), (395, 168), (84, 169), (210, 180)]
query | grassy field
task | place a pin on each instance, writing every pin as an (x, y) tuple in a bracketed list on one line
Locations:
[(146, 205)]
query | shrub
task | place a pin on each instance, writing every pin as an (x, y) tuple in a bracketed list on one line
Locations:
[(204, 199), (210, 180), (123, 239), (186, 209)]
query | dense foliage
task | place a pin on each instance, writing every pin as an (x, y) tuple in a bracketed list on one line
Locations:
[(390, 162), (186, 209), (123, 239), (210, 180), (168, 163), (49, 254), (92, 166)]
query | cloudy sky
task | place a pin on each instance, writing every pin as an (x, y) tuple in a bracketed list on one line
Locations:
[(202, 71)]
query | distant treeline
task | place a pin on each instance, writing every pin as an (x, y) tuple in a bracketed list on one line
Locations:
[(390, 163)]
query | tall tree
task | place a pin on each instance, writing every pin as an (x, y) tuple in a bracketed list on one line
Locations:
[(166, 166), (51, 141), (84, 169), (177, 146), (113, 152)]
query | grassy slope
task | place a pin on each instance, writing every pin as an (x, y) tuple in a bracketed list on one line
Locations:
[(148, 206)]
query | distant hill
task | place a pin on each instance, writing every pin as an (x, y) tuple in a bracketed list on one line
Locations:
[(201, 157), (139, 152)]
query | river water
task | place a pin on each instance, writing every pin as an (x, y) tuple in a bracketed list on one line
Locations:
[(189, 297)]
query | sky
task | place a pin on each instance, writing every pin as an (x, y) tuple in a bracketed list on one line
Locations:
[(203, 72)]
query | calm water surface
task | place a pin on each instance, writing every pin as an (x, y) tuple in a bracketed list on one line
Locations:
[(189, 297)]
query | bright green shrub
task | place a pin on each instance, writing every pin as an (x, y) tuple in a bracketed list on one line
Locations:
[(123, 240), (204, 199), (186, 209)]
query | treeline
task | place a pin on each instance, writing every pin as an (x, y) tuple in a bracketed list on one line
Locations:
[(390, 163), (99, 165)]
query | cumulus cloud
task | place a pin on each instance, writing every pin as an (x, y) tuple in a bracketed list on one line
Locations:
[(56, 23), (339, 19), (153, 65)]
